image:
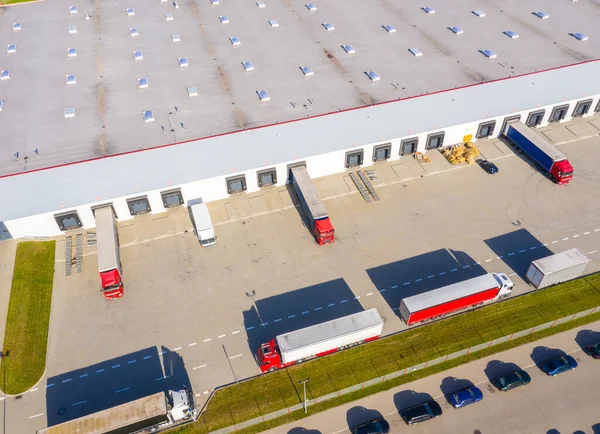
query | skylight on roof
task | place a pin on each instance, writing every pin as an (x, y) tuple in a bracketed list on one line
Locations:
[(214, 2), (224, 20), (429, 9), (373, 76), (69, 112), (12, 48), (261, 5), (138, 55), (580, 36), (488, 53), (235, 40), (1, 105), (248, 66), (263, 95), (183, 62), (130, 12), (142, 83), (72, 29), (389, 29), (349, 49), (71, 52), (5, 74), (73, 9), (273, 23), (16, 26), (70, 79), (511, 34), (169, 16), (415, 52), (192, 91), (175, 37), (148, 116), (134, 32), (541, 15), (328, 26), (307, 71), (311, 7), (478, 13), (456, 30)]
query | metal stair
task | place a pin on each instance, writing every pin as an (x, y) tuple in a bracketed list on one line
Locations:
[(79, 253), (361, 188), (367, 182), (68, 253)]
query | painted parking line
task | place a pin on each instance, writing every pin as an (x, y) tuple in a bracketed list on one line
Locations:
[(36, 415), (199, 367), (333, 304), (453, 270), (236, 356), (67, 380), (247, 328), (147, 357), (442, 273), (394, 286), (33, 390), (406, 283), (357, 297), (513, 274), (50, 385), (2, 398), (488, 260), (533, 248), (418, 280), (118, 365), (596, 230), (466, 266), (162, 378), (499, 257), (511, 254), (122, 390), (575, 236), (318, 308), (521, 251), (176, 349), (83, 375), (586, 233), (75, 404), (99, 371), (554, 242), (221, 336), (193, 344), (429, 277), (131, 362), (206, 392), (341, 302), (565, 239), (305, 312), (235, 332), (382, 290), (210, 339), (277, 320), (593, 251)]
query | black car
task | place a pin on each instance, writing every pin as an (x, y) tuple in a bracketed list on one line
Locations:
[(594, 350), (421, 412), (374, 426), (488, 166), (511, 380)]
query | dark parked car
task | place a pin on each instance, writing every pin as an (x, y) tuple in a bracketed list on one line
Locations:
[(557, 365), (594, 350), (464, 397), (374, 426), (511, 380), (421, 412), (488, 166)]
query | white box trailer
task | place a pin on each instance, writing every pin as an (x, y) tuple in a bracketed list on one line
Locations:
[(557, 268), (203, 224)]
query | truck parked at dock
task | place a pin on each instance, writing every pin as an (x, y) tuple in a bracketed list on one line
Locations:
[(109, 259)]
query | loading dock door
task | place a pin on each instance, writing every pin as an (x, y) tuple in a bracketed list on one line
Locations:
[(408, 147)]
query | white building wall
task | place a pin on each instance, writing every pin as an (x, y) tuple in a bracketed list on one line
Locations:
[(212, 189)]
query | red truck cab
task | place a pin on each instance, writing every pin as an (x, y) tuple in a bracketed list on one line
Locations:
[(323, 231), (562, 172), (268, 357), (112, 284)]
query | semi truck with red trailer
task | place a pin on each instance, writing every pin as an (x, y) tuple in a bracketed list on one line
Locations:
[(319, 340), (313, 206), (151, 414), (452, 298), (547, 157), (109, 260)]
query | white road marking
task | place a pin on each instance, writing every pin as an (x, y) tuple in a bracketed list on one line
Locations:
[(67, 380), (147, 357), (122, 390), (247, 328), (454, 269), (118, 365), (488, 260), (33, 390), (236, 356), (596, 230), (430, 276), (221, 336), (513, 274), (382, 290), (554, 242), (210, 339), (499, 257), (176, 349), (341, 302), (83, 375), (305, 312), (36, 415), (544, 245), (318, 308), (406, 283), (78, 403), (162, 378), (198, 394), (99, 370), (277, 320), (394, 286), (586, 233), (533, 248), (333, 304), (477, 263), (163, 352), (199, 367), (396, 308), (206, 392), (235, 332), (193, 344), (575, 236), (49, 385), (465, 266), (2, 398), (418, 280), (370, 293), (593, 251), (565, 239), (511, 254), (521, 251), (442, 273)]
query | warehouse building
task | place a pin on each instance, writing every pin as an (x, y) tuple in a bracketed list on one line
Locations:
[(148, 105)]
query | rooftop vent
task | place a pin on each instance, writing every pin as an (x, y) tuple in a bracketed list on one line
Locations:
[(72, 29), (163, 1), (488, 53), (176, 5), (69, 112), (273, 23), (73, 9), (373, 76), (263, 95), (349, 49), (5, 74), (142, 83), (389, 29), (224, 20), (71, 52), (214, 2), (183, 62), (429, 9), (478, 13), (1, 105), (580, 36), (70, 79), (16, 26), (261, 4), (192, 91), (130, 12), (169, 16), (415, 52), (148, 116), (511, 34), (541, 15), (311, 7), (138, 55), (175, 37), (12, 48), (134, 32), (456, 30), (328, 26), (248, 66), (235, 40), (307, 71)]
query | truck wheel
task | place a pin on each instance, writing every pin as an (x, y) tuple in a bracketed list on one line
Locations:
[(273, 369)]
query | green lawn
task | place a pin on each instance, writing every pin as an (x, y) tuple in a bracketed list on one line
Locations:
[(278, 390), (12, 2), (26, 332)]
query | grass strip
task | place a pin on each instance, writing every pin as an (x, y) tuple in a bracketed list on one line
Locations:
[(26, 332), (278, 390)]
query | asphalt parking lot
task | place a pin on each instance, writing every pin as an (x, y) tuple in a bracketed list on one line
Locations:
[(193, 308)]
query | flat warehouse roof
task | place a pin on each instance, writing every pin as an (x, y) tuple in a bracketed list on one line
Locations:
[(116, 110)]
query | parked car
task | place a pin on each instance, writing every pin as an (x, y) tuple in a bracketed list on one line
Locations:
[(488, 166), (464, 397), (594, 350), (421, 412), (374, 426), (511, 380), (558, 365)]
